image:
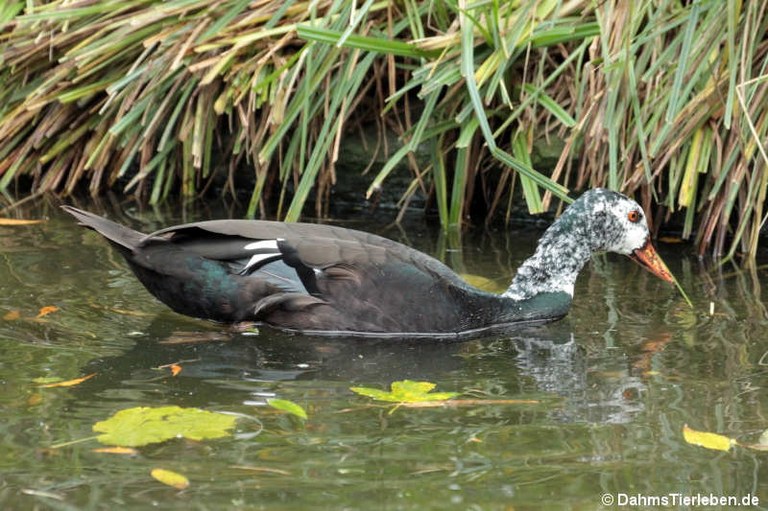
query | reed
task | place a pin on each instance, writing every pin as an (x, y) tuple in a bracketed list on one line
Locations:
[(662, 99)]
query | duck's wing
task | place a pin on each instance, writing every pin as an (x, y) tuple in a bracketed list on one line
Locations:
[(318, 277), (249, 245)]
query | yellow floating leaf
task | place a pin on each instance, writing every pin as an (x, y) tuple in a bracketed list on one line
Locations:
[(170, 478), (117, 450), (707, 440), (19, 221), (48, 309), (175, 369), (69, 383), (11, 315)]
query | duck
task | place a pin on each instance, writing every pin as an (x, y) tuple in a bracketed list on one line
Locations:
[(325, 279)]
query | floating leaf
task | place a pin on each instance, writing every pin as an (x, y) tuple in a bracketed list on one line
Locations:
[(170, 478), (288, 406), (707, 440), (134, 427), (11, 315), (69, 383), (48, 309), (406, 391), (19, 221), (117, 450)]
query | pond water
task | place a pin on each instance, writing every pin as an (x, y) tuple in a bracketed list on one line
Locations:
[(598, 400)]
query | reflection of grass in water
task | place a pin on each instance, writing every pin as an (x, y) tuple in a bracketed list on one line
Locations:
[(158, 91)]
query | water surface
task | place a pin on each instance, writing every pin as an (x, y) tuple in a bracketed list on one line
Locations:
[(614, 384)]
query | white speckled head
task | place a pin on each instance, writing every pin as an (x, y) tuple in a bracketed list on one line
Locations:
[(616, 222), (599, 221)]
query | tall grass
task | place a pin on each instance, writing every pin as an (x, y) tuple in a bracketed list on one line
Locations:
[(662, 99)]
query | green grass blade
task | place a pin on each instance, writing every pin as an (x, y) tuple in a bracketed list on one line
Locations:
[(367, 43)]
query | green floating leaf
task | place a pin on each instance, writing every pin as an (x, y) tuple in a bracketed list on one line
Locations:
[(134, 427), (288, 406), (406, 391)]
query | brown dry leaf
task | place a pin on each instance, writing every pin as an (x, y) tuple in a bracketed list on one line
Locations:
[(117, 450), (707, 440), (19, 221), (11, 315), (170, 478), (69, 383), (175, 369), (48, 309)]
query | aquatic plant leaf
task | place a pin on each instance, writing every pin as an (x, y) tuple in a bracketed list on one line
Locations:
[(170, 478), (288, 406), (48, 309), (68, 383), (134, 427), (12, 315), (406, 391), (707, 440)]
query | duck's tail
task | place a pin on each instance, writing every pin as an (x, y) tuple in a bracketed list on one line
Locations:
[(119, 235)]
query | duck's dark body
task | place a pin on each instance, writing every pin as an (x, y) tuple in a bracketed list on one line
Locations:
[(324, 279), (313, 278)]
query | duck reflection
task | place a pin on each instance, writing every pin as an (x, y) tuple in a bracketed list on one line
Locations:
[(223, 367)]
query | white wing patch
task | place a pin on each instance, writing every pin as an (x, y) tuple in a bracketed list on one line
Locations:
[(265, 250), (263, 245)]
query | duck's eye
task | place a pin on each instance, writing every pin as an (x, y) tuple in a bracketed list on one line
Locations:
[(633, 216)]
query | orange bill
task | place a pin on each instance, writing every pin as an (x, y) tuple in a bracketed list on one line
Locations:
[(647, 257)]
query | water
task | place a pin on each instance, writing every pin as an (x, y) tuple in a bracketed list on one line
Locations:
[(613, 385)]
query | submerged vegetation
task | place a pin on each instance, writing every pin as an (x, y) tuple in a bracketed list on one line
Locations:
[(662, 99)]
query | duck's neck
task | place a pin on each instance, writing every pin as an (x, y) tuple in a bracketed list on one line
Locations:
[(554, 266)]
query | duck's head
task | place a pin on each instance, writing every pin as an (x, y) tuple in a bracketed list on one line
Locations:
[(612, 222), (598, 221)]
